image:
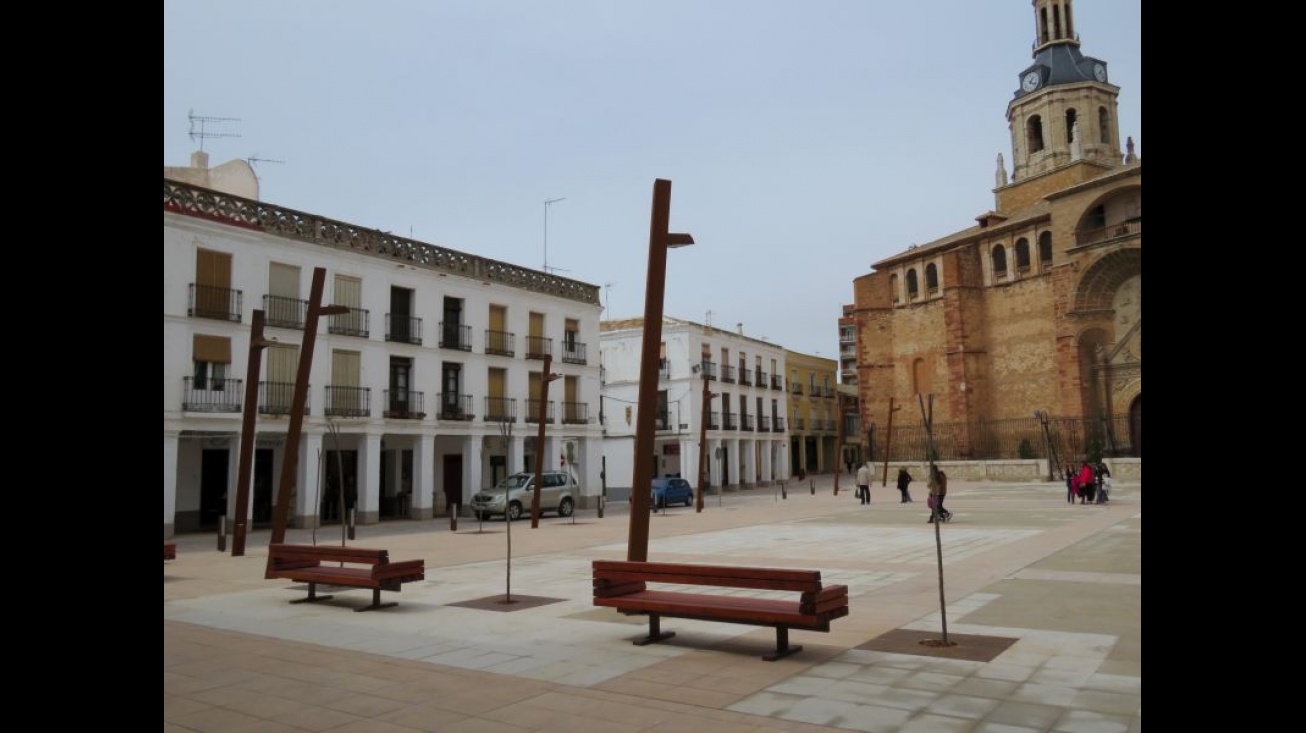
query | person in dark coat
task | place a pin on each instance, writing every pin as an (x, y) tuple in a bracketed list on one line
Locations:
[(904, 480)]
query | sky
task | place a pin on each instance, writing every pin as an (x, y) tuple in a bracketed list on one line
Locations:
[(804, 139)]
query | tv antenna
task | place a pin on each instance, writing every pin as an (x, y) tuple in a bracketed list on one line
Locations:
[(254, 160), (607, 296), (547, 204), (199, 127)]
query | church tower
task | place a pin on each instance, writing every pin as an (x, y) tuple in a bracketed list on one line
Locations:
[(1064, 110)]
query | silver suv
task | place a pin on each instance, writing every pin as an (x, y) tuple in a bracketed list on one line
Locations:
[(516, 494)]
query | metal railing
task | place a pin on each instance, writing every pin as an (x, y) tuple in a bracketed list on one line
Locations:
[(504, 409), (500, 342), (348, 401), (1067, 440), (538, 347), (575, 413), (777, 382), (574, 352), (1102, 234), (354, 323), (403, 329), (454, 406), (276, 398), (284, 312), (212, 395), (707, 369), (728, 374), (533, 412), (455, 336), (403, 405), (210, 301), (746, 377)]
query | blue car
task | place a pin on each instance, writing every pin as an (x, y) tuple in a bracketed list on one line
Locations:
[(670, 491)]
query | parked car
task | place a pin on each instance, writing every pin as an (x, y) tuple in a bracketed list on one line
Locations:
[(516, 494), (670, 490)]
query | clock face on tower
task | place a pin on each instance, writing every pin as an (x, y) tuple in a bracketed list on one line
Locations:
[(1030, 82), (1099, 72)]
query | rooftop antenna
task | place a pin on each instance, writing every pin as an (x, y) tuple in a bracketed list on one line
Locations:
[(547, 202), (199, 127), (607, 296), (254, 160)]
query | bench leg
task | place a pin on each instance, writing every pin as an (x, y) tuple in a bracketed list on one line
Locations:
[(655, 632), (782, 648), (313, 597), (376, 602)]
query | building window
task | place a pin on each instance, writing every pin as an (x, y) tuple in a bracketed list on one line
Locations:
[(893, 288), (1022, 255), (1104, 124), (1070, 125), (1045, 249), (931, 279), (912, 290), (1034, 134), (999, 261)]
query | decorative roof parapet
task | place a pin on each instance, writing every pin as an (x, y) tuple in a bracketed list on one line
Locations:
[(205, 203)]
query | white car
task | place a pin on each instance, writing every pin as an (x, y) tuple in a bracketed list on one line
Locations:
[(516, 494)]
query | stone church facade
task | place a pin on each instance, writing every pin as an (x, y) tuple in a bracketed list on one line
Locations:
[(1035, 312)]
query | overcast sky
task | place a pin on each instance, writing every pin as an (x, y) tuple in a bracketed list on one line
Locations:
[(805, 139)]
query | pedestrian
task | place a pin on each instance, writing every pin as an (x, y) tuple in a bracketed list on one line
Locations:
[(1102, 475), (864, 483), (904, 480), (1071, 479), (938, 484), (1085, 481)]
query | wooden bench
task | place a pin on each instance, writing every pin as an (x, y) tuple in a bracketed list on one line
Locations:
[(305, 564), (623, 585), (169, 550)]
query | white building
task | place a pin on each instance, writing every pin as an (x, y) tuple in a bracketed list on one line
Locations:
[(747, 441), (429, 386)]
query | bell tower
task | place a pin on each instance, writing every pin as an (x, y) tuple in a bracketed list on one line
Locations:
[(1064, 109)]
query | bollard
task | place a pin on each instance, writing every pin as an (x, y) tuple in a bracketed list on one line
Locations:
[(222, 533), (353, 517), (811, 482), (784, 494), (601, 505), (453, 518)]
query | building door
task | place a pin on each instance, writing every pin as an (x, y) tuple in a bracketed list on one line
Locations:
[(452, 479), (263, 487), (213, 486)]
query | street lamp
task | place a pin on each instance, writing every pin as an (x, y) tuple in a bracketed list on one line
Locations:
[(546, 376), (702, 439), (256, 345), (659, 241)]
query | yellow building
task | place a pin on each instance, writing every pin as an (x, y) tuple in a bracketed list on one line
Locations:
[(1027, 327), (813, 413)]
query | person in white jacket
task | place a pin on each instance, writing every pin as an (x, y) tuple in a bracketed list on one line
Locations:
[(864, 483)]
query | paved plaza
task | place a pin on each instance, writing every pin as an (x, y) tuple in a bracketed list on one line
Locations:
[(1041, 599)]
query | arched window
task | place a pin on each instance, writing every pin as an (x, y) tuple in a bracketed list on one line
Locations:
[(912, 290), (1022, 255), (893, 288), (931, 279), (1045, 249), (999, 261), (1104, 124), (1070, 125), (1034, 134)]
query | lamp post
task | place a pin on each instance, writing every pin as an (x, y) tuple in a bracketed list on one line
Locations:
[(290, 462), (888, 436), (702, 441), (256, 345), (659, 241), (546, 376)]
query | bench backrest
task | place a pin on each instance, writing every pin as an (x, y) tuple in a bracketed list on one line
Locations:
[(631, 575), (287, 556)]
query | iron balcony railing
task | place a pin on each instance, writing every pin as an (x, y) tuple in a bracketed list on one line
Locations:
[(501, 409), (728, 374), (796, 387), (779, 425), (348, 402), (798, 423), (454, 406), (1129, 228), (538, 347), (276, 398), (502, 343), (761, 378), (777, 381), (210, 301), (455, 336), (728, 420), (575, 413), (354, 323), (403, 405), (206, 394), (533, 412), (707, 369), (664, 369), (574, 352), (746, 422), (764, 424), (402, 328), (284, 312), (713, 421), (746, 377), (1064, 440)]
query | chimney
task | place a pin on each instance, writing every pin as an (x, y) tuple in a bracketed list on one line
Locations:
[(199, 160)]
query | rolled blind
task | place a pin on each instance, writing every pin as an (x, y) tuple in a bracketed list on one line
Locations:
[(214, 349)]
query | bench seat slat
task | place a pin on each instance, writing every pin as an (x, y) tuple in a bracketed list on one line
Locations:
[(322, 564), (696, 605), (719, 579)]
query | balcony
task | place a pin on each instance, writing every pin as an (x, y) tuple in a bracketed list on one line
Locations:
[(348, 402), (779, 426), (761, 378), (283, 312), (210, 301), (728, 374), (501, 409), (533, 412), (501, 343), (1128, 228), (354, 323), (777, 382), (402, 328), (664, 369), (796, 388), (212, 395), (455, 336), (746, 377), (798, 423), (575, 413), (713, 421), (730, 422), (707, 369), (276, 398), (764, 424), (403, 405), (454, 406), (538, 347), (574, 352), (746, 423)]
